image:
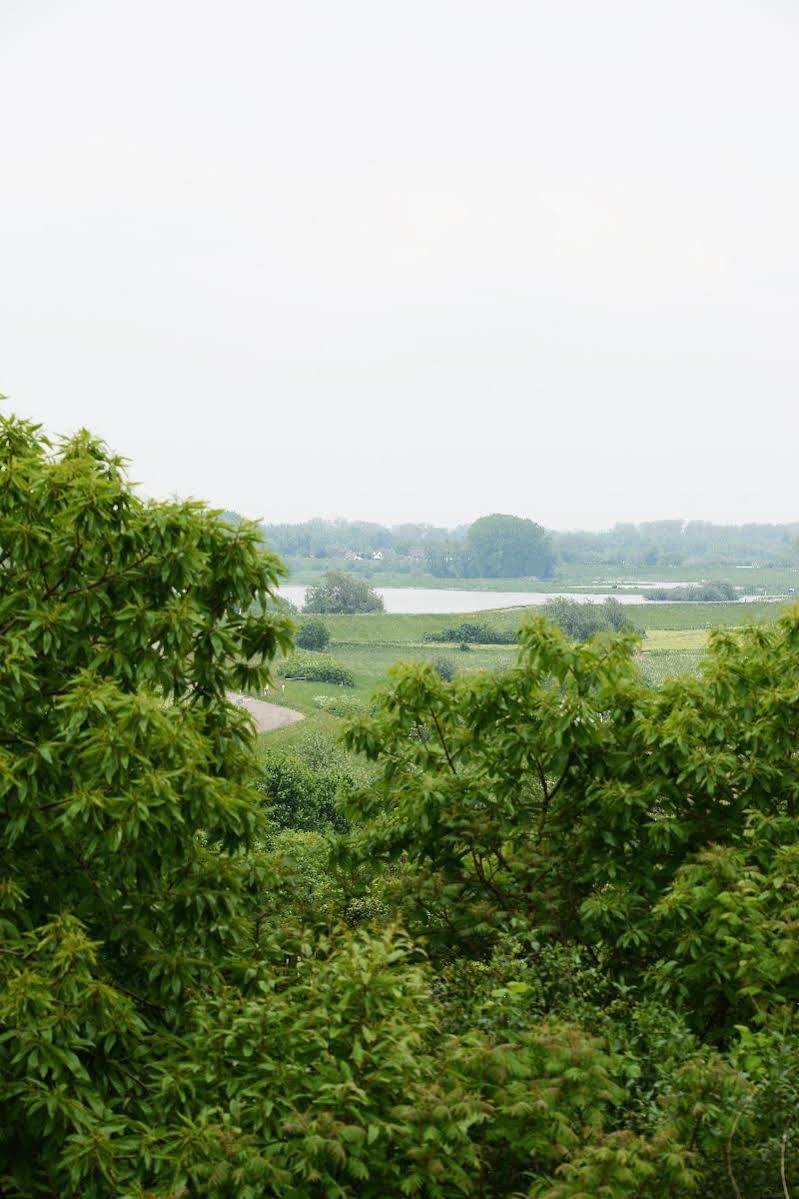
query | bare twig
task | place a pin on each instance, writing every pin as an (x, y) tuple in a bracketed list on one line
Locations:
[(728, 1155)]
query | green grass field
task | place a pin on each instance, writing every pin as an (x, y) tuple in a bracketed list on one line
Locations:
[(770, 580), (395, 629), (673, 645)]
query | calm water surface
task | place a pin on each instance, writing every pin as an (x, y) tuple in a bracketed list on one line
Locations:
[(430, 600)]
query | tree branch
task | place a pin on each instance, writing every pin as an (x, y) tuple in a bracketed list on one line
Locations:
[(443, 742)]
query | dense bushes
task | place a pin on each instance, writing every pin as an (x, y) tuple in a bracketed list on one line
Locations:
[(316, 668), (473, 633), (445, 668), (579, 619), (312, 634), (577, 846), (300, 795), (582, 620), (695, 593)]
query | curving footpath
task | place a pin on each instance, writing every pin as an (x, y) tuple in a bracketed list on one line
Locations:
[(267, 717)]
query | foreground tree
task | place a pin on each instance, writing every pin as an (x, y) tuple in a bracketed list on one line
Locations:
[(621, 847), (124, 775), (568, 794), (596, 994), (167, 1028), (340, 592)]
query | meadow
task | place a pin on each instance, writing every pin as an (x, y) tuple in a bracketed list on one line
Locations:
[(766, 580), (673, 640)]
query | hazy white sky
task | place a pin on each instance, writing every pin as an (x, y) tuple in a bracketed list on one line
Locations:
[(417, 260)]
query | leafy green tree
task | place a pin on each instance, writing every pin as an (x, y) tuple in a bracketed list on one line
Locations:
[(595, 992), (313, 634), (300, 796), (508, 547), (340, 592), (168, 1027), (124, 774), (568, 795)]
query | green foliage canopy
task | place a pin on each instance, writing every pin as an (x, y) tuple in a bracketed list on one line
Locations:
[(124, 787), (595, 988), (568, 795)]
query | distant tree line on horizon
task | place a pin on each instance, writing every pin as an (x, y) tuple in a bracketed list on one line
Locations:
[(466, 551)]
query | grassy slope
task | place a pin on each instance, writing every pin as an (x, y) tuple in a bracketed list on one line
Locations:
[(370, 645), (380, 627)]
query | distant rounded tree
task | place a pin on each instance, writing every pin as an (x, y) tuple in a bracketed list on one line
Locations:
[(313, 634), (509, 547), (340, 592)]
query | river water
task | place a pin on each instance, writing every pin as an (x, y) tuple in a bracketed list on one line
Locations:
[(430, 600)]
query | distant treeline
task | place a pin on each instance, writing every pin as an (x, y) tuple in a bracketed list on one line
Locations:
[(496, 546), (681, 543), (531, 550)]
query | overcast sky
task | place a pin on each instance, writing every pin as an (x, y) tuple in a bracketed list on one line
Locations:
[(411, 260)]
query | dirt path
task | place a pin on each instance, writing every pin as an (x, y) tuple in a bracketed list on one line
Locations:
[(267, 716)]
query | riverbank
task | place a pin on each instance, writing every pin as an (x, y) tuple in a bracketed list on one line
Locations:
[(409, 601), (773, 580)]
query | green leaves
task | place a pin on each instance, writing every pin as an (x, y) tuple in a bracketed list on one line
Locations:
[(555, 953), (125, 796)]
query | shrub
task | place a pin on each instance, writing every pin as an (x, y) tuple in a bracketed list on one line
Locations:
[(316, 668), (340, 592), (472, 633), (300, 796), (700, 593), (313, 634), (445, 669), (339, 705), (582, 620)]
